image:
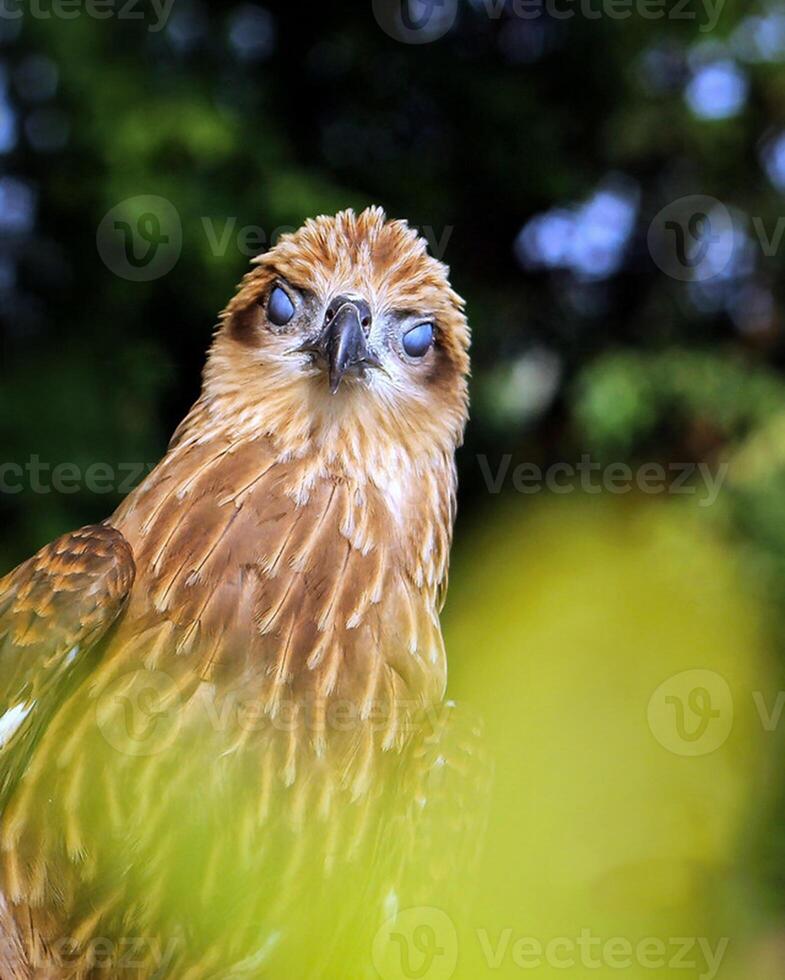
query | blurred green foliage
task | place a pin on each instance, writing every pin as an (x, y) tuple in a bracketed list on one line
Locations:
[(245, 114), (601, 820), (630, 403)]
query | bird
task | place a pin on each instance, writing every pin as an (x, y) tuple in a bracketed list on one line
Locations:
[(223, 729)]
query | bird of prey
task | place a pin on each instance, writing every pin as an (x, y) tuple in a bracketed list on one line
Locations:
[(224, 749)]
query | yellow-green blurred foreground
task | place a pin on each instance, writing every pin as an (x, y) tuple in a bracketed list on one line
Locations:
[(596, 799), (622, 670)]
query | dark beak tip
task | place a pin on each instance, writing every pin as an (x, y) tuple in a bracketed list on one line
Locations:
[(345, 345)]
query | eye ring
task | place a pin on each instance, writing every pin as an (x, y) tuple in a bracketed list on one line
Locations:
[(280, 307), (417, 341)]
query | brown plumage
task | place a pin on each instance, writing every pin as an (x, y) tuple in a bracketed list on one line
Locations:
[(286, 561)]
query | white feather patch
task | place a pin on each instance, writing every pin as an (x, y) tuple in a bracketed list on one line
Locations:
[(12, 719)]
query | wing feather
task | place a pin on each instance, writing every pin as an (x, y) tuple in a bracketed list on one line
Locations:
[(54, 608)]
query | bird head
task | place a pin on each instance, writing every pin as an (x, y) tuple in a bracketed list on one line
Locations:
[(345, 327)]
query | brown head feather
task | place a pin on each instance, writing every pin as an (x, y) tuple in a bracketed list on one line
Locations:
[(252, 374)]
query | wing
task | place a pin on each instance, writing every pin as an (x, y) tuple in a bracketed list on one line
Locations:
[(54, 608)]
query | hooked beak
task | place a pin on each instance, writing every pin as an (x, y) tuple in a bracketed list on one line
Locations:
[(342, 343)]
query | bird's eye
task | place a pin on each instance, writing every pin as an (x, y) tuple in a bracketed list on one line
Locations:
[(280, 308), (418, 340)]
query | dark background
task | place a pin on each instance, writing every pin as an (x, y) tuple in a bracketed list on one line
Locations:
[(265, 115)]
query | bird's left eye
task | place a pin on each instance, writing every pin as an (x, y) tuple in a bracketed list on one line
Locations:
[(418, 340), (280, 308)]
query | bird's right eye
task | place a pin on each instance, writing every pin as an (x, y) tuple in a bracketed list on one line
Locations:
[(280, 309)]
